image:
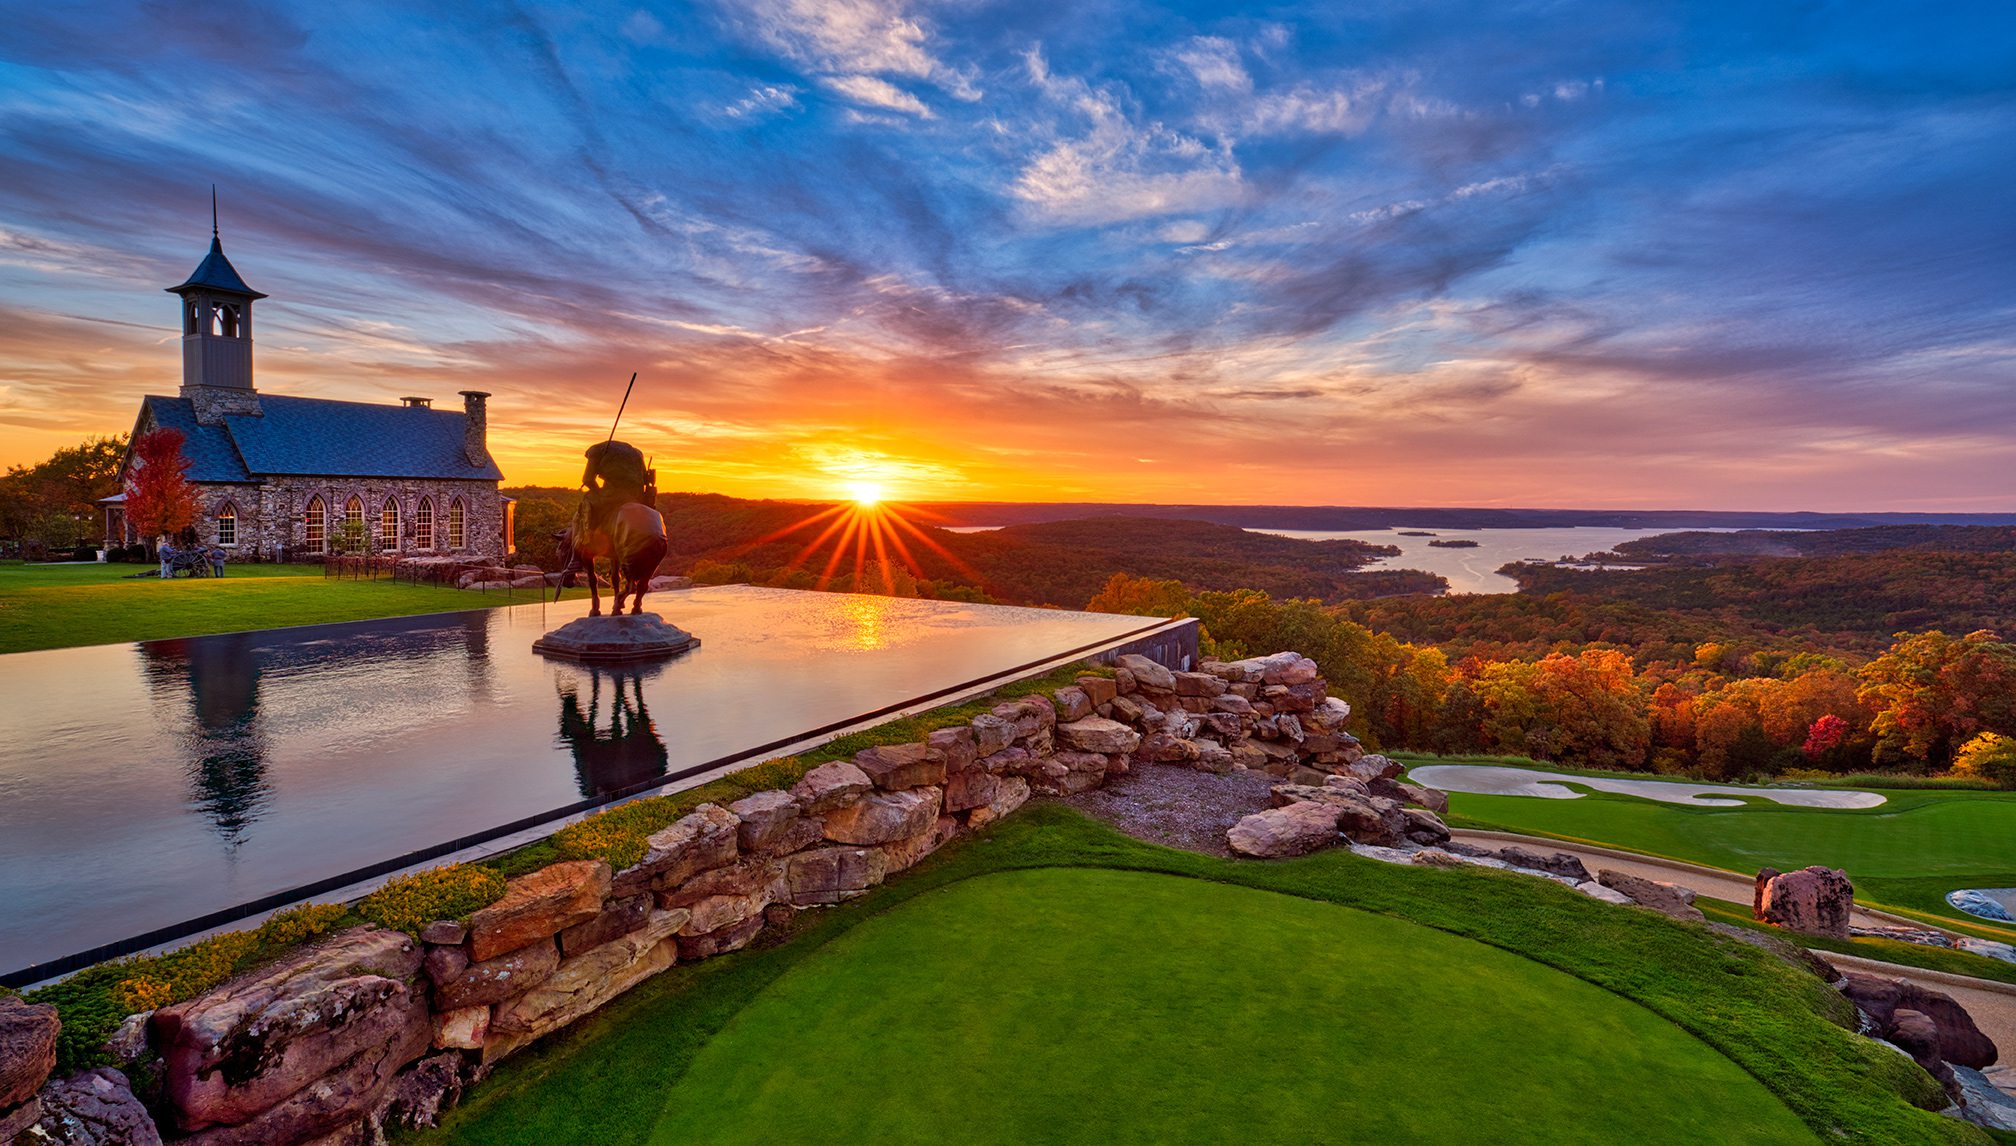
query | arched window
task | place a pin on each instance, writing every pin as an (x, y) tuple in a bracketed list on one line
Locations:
[(388, 525), (423, 524), (227, 318), (354, 536), (227, 525), (192, 318), (316, 523), (455, 524)]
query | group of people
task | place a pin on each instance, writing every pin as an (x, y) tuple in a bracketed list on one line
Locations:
[(187, 551)]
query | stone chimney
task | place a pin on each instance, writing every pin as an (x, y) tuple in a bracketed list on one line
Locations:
[(475, 428)]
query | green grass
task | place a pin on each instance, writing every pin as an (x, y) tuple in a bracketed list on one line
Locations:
[(1164, 1010), (1903, 855), (1883, 950), (60, 606), (607, 1079)]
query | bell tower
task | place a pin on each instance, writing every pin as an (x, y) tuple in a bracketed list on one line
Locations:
[(217, 335)]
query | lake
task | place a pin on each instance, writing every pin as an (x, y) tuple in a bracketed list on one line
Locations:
[(1475, 570)]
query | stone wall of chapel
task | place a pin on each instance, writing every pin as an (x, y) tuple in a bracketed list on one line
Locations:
[(270, 513)]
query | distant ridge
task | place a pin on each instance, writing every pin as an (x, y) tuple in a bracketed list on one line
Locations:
[(1395, 517)]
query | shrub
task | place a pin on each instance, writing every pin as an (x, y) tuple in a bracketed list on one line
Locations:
[(410, 902), (1989, 757)]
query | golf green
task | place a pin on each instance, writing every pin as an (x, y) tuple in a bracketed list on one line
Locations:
[(1085, 1005)]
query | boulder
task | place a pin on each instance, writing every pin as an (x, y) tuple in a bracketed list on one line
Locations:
[(884, 817), (27, 1048), (1553, 863), (416, 1099), (894, 767), (1288, 668), (1424, 827), (618, 917), (1960, 1040), (904, 853), (731, 938), (991, 733), (1082, 771), (584, 983), (974, 788), (1013, 793), (1664, 898), (957, 748), (1595, 890), (1757, 886), (1815, 900), (1373, 820), (1433, 799), (1214, 757), (445, 932), (1370, 767), (461, 1029), (297, 1048), (1147, 674), (1914, 1033), (93, 1108), (1199, 684), (703, 839), (539, 905), (492, 980), (1072, 703), (833, 874), (15, 1120), (751, 875), (831, 785), (1164, 748), (1098, 689), (1098, 734), (766, 820), (719, 912), (1297, 829)]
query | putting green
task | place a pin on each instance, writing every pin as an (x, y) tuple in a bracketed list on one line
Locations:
[(1085, 1005)]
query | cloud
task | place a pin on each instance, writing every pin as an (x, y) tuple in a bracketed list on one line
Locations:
[(856, 40), (1215, 64), (764, 99), (877, 93)]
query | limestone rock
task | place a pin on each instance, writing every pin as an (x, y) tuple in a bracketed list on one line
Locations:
[(1297, 829), (991, 733), (1098, 734), (974, 788), (445, 932), (1815, 900), (766, 820), (703, 839), (1373, 820), (1372, 766), (93, 1108), (1199, 684), (906, 852), (1098, 689), (1664, 898), (884, 817), (1147, 674), (751, 875), (1424, 827), (1960, 1040), (894, 767), (584, 983), (297, 1048), (732, 938), (462, 1029), (1072, 703), (833, 874), (538, 905), (27, 1048), (495, 980), (718, 912), (618, 917), (15, 1120), (830, 786), (1554, 863), (957, 748), (1013, 793)]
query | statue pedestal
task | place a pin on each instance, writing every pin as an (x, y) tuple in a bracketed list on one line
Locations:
[(616, 639)]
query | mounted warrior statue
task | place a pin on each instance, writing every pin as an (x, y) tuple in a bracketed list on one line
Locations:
[(617, 520)]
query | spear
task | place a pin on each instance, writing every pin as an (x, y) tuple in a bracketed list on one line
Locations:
[(620, 408)]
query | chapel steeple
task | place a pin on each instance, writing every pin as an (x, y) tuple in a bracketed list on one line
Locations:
[(217, 334)]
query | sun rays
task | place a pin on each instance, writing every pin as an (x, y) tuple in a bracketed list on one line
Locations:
[(867, 539)]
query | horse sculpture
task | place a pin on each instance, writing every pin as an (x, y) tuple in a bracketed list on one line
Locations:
[(634, 543)]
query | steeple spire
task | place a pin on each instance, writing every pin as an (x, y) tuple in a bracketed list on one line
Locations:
[(213, 212)]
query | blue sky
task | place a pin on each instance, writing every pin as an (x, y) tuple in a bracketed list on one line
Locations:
[(1743, 256)]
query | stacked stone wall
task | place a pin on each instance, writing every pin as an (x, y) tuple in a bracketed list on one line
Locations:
[(372, 1028), (270, 514)]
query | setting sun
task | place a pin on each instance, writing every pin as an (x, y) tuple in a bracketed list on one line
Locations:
[(864, 492)]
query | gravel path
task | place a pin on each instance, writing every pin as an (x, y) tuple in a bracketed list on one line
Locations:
[(1176, 806)]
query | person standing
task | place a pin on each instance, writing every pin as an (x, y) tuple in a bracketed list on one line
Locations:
[(167, 556)]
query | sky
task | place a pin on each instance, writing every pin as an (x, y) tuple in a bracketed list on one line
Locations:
[(1602, 253)]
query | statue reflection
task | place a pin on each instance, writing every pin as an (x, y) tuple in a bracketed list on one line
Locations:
[(614, 743), (224, 748)]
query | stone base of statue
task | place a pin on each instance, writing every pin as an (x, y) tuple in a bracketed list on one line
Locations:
[(616, 639)]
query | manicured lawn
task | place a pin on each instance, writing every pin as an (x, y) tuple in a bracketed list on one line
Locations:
[(58, 606), (1905, 854), (1110, 1006), (1368, 1029)]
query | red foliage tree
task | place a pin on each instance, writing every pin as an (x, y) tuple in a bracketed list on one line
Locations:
[(1824, 736), (159, 498)]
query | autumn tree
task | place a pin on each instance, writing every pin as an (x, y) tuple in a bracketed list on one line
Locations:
[(53, 500), (1931, 693), (1988, 756), (159, 498), (1141, 597), (1584, 709)]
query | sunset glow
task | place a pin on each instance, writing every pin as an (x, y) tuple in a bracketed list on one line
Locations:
[(978, 253), (865, 493)]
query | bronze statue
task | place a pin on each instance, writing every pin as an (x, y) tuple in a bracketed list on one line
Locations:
[(617, 521)]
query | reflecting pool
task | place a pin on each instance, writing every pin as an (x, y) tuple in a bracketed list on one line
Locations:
[(143, 785)]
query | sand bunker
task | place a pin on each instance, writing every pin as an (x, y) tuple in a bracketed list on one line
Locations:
[(1488, 780)]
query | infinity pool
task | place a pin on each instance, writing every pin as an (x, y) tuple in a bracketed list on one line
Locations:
[(144, 785)]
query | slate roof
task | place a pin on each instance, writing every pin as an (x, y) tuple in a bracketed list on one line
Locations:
[(217, 273), (324, 437)]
